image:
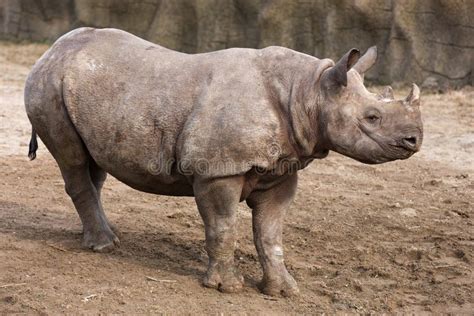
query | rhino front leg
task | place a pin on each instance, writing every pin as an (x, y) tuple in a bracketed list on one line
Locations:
[(217, 201), (269, 208)]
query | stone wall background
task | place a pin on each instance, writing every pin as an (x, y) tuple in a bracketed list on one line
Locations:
[(422, 41)]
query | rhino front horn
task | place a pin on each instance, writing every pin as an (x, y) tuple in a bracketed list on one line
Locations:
[(413, 97)]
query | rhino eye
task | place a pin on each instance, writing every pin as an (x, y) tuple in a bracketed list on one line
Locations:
[(372, 118)]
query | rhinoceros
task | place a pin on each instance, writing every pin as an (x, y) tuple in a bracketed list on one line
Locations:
[(224, 127)]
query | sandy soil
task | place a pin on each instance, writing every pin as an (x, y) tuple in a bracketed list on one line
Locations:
[(390, 238)]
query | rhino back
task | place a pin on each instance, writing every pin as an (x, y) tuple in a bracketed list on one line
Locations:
[(140, 107)]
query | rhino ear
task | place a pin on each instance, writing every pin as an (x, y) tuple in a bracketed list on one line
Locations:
[(366, 61), (413, 97), (337, 75)]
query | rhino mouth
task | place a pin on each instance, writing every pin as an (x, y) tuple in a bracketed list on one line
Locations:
[(390, 147), (388, 153), (402, 151)]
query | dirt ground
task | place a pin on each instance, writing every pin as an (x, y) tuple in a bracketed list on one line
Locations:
[(391, 238)]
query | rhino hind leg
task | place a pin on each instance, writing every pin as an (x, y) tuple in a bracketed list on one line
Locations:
[(217, 202), (97, 233), (268, 210), (83, 180), (98, 177)]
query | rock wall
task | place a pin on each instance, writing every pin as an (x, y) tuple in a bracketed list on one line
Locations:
[(419, 40)]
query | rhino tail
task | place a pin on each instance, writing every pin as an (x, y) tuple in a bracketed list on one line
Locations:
[(33, 145)]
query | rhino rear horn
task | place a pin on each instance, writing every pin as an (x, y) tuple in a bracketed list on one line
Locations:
[(366, 61), (337, 75), (387, 93)]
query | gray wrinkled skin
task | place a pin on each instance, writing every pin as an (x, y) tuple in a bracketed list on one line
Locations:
[(224, 127)]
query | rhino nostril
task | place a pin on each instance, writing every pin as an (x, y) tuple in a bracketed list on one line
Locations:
[(410, 142)]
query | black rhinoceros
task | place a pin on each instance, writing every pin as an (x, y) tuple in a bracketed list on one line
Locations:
[(227, 126)]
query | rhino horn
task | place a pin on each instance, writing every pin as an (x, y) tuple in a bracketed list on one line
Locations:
[(387, 93), (366, 61), (413, 97), (338, 74)]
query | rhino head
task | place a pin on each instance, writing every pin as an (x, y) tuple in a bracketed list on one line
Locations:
[(371, 128)]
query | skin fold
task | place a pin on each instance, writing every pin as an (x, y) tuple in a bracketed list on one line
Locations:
[(225, 127)]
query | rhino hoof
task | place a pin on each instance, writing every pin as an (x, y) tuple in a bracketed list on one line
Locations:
[(103, 241), (285, 287), (226, 282)]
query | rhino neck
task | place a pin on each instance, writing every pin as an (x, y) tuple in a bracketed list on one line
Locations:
[(294, 87), (304, 118)]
